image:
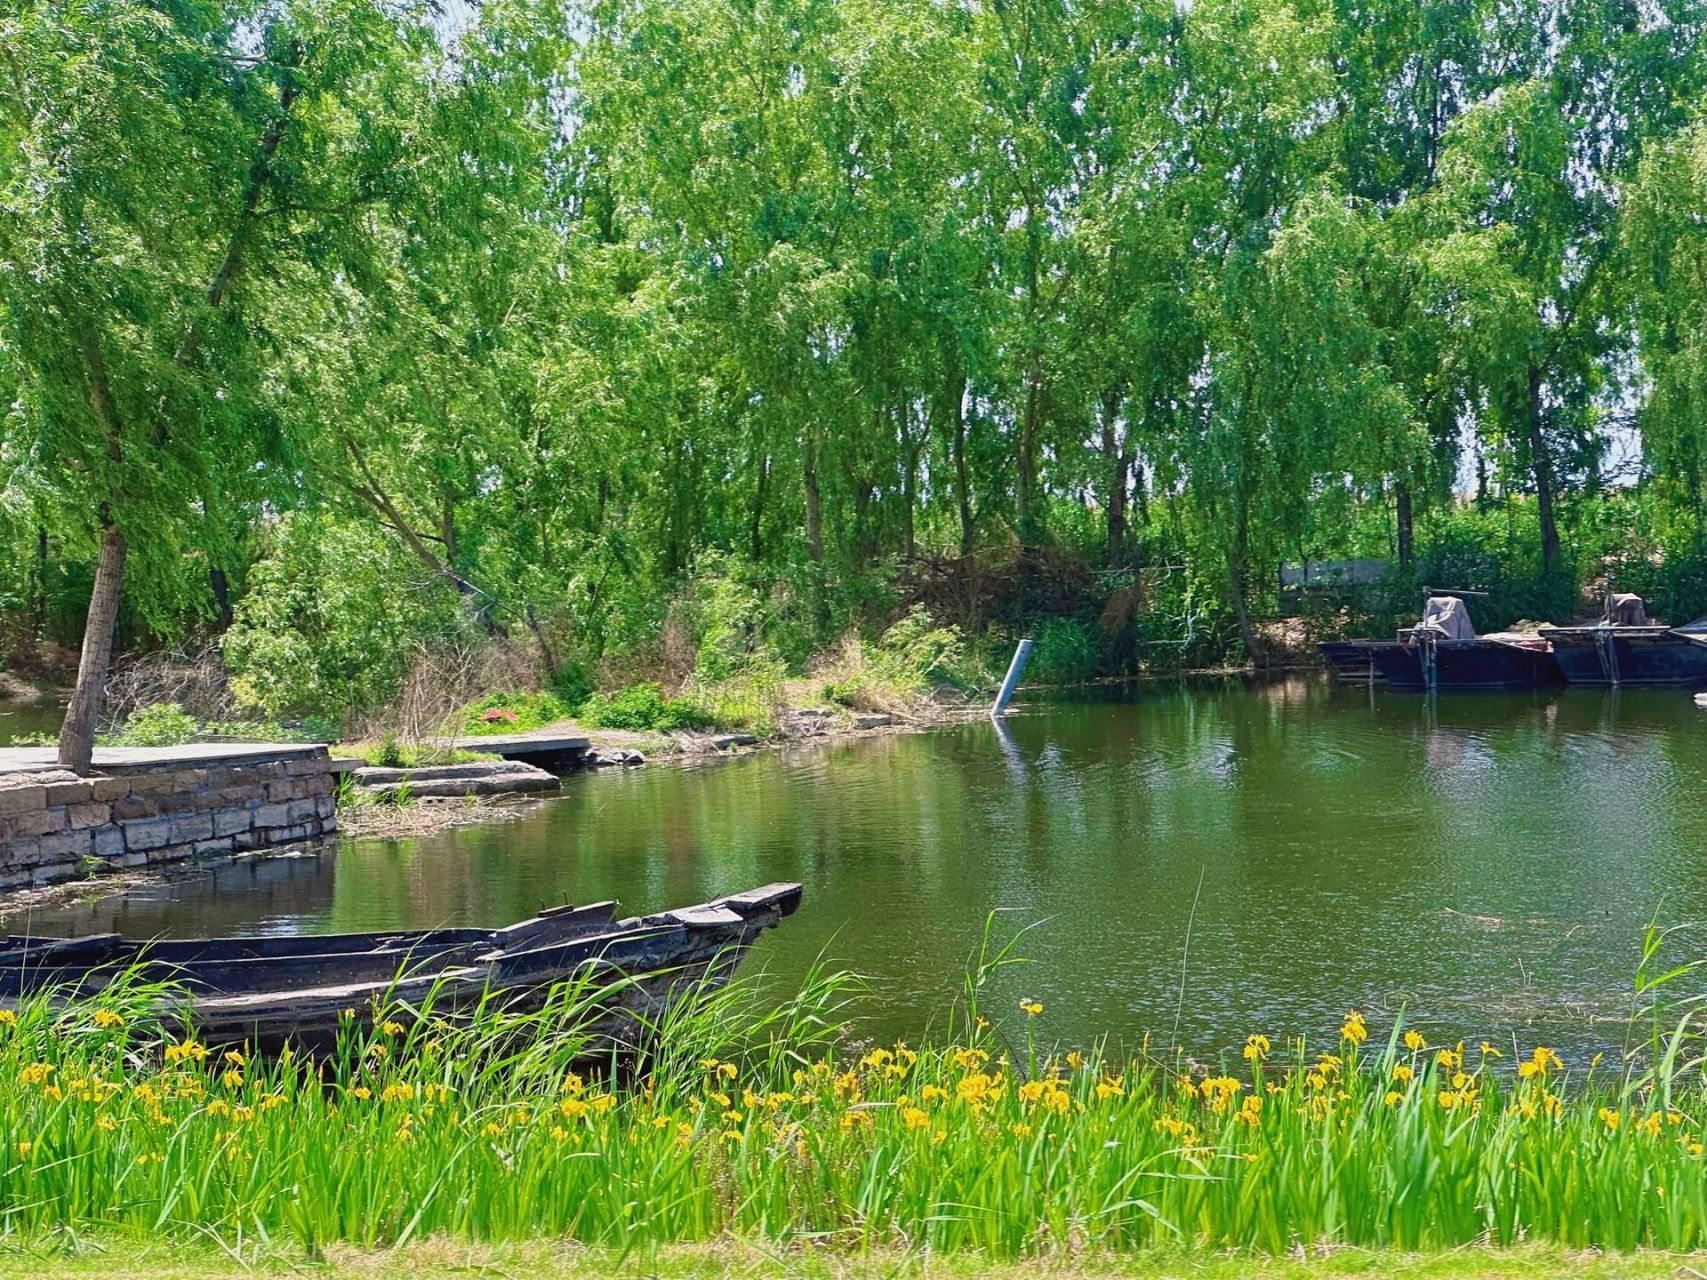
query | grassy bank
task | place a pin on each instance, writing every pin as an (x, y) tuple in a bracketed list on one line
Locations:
[(129, 1258), (757, 1127)]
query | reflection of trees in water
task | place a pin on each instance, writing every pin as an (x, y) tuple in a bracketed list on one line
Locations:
[(229, 898), (20, 718), (1335, 835), (1288, 689)]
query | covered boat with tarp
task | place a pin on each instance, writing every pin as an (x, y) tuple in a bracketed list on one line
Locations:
[(1443, 651), (1626, 646)]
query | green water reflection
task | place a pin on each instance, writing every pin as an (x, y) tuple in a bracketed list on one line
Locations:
[(1486, 862), (21, 718)]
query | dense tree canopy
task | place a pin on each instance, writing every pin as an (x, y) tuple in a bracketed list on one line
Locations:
[(542, 304)]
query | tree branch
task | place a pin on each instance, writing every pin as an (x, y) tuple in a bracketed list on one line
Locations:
[(259, 171)]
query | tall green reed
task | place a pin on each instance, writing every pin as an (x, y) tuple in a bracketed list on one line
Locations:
[(735, 1110)]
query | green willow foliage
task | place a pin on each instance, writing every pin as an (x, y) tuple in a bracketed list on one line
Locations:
[(556, 300)]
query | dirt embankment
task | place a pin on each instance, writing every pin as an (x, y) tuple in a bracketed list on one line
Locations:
[(14, 688)]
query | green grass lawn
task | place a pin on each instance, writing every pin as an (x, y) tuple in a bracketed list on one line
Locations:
[(123, 1259)]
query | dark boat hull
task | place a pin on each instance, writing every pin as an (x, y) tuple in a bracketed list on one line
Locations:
[(1352, 661), (266, 992), (1467, 666), (1655, 657)]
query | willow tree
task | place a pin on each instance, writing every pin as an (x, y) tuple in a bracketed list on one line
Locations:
[(1131, 338), (160, 169), (1254, 136), (410, 368), (1664, 251), (1531, 176)]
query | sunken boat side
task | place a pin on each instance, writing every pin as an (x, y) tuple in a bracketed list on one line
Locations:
[(1474, 666), (1580, 653), (1400, 666), (269, 992)]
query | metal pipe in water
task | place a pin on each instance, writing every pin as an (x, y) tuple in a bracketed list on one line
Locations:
[(1010, 682)]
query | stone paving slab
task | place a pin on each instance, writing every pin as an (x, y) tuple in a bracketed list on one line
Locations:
[(535, 740), (189, 756), (554, 751), (490, 778)]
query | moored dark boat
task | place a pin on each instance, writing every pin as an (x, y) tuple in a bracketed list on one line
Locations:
[(1627, 648), (267, 992), (1353, 661), (1485, 664), (1443, 651)]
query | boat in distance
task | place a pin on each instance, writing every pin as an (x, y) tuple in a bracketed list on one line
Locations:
[(267, 992), (1443, 651), (1626, 647)]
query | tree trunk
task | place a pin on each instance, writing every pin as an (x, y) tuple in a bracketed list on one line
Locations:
[(909, 498), (38, 628), (1236, 589), (911, 448), (814, 504), (260, 172), (1402, 506), (1542, 463), (1117, 479), (864, 543), (369, 491), (1030, 530), (447, 527), (546, 653), (674, 560), (1237, 564), (221, 589), (77, 733), (962, 488), (758, 527), (1030, 533)]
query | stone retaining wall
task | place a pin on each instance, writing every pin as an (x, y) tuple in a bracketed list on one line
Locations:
[(55, 825)]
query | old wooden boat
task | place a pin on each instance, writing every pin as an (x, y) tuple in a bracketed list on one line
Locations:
[(266, 992), (1443, 652), (1626, 647)]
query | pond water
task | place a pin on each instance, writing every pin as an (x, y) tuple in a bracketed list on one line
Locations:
[(1485, 863), (25, 718)]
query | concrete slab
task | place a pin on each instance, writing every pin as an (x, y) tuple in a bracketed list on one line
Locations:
[(487, 778), (535, 740), (553, 752), (121, 760)]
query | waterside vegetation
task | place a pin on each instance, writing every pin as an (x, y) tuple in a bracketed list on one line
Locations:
[(760, 1120), (104, 1256), (658, 342)]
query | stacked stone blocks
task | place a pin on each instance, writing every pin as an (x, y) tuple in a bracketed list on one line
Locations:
[(55, 825)]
